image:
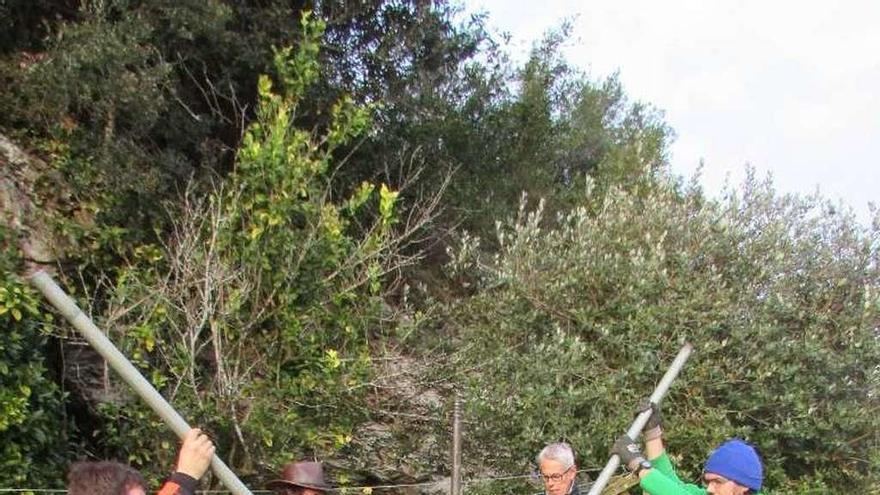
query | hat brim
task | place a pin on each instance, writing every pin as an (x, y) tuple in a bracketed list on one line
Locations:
[(284, 483)]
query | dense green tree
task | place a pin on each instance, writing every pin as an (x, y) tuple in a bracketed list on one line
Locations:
[(581, 315)]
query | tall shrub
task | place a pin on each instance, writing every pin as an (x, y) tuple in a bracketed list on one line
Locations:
[(257, 312)]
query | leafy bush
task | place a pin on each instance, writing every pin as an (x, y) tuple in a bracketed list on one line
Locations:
[(33, 441)]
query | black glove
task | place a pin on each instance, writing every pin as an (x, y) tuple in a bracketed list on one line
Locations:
[(653, 428), (629, 452)]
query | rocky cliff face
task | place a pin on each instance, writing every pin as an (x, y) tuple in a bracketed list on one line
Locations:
[(408, 439), (21, 208)]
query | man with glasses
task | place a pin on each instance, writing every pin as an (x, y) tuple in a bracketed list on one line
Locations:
[(734, 468), (558, 469)]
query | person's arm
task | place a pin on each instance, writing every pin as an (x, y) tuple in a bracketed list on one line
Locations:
[(653, 433), (663, 464), (192, 463), (659, 479), (654, 443), (656, 482), (656, 453)]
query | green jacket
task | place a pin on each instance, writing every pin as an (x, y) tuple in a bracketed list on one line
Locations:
[(662, 480)]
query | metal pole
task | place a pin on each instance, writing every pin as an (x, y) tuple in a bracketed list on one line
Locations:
[(71, 312), (636, 428), (455, 488)]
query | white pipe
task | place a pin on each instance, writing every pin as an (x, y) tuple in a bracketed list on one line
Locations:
[(71, 312), (639, 424)]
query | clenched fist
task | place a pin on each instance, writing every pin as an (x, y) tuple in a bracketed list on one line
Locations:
[(195, 454)]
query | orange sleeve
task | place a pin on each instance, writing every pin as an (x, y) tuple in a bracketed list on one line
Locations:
[(169, 488), (179, 484)]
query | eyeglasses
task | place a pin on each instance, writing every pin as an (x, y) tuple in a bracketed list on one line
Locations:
[(555, 476)]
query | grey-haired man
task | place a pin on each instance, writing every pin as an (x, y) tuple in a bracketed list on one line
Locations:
[(558, 469)]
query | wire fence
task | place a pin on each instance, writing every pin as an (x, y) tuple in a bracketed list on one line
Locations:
[(356, 489)]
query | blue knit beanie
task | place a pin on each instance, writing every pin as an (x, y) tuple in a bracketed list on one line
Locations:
[(737, 461)]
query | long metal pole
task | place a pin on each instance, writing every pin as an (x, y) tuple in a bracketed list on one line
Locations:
[(71, 312), (639, 424), (455, 483)]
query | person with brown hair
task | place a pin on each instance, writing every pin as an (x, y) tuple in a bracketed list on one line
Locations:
[(114, 478), (104, 477)]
